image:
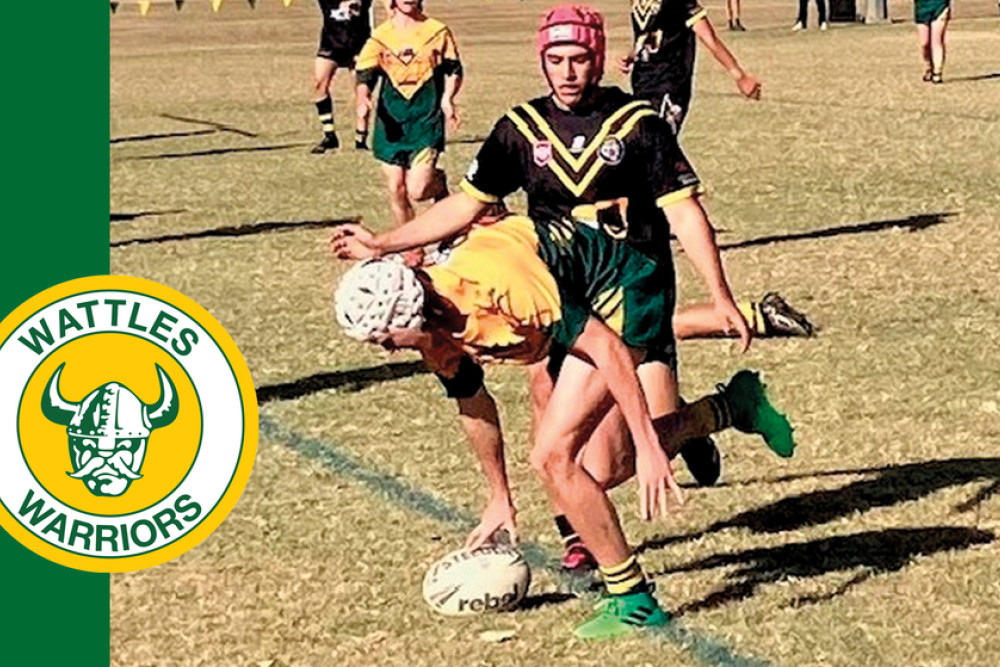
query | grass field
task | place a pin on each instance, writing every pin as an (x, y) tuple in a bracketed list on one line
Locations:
[(865, 196)]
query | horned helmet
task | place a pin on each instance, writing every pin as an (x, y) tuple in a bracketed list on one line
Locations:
[(108, 430)]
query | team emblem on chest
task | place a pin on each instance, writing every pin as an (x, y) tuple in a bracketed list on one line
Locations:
[(644, 10), (612, 151), (542, 152)]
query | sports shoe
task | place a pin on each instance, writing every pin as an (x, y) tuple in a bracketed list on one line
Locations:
[(928, 75), (799, 25), (621, 614), (328, 143), (577, 559), (752, 412), (824, 25), (937, 78), (703, 460), (780, 319), (739, 26)]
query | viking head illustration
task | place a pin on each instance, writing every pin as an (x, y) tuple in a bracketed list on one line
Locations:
[(108, 430)]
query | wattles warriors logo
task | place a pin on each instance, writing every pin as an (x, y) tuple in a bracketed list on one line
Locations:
[(128, 424)]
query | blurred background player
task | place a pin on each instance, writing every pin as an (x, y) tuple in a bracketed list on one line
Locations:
[(733, 15), (932, 17), (415, 58), (803, 20), (346, 26), (662, 57)]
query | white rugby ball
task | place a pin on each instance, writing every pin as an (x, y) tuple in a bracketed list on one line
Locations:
[(466, 583)]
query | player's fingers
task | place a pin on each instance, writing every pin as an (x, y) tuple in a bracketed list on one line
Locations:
[(643, 502), (512, 532), (675, 488), (664, 510), (474, 541)]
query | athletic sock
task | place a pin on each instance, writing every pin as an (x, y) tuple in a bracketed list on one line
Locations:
[(567, 532), (751, 313), (324, 108), (625, 578), (705, 416)]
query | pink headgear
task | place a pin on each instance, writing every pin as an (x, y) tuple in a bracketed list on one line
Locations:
[(574, 24)]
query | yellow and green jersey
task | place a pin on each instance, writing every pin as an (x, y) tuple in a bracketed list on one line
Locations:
[(411, 62), (519, 286)]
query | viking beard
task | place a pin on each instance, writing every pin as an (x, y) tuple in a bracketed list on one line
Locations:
[(107, 475)]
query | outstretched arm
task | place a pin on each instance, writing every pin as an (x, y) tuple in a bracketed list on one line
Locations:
[(690, 225), (445, 219), (746, 82), (481, 423)]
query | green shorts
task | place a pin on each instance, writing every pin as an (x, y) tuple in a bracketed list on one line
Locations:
[(408, 132), (928, 11), (633, 293)]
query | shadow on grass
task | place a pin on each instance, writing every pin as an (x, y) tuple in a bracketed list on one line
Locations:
[(913, 223), (127, 217), (346, 381), (876, 552), (891, 485), (217, 151), (544, 600), (160, 135), (239, 230), (977, 77)]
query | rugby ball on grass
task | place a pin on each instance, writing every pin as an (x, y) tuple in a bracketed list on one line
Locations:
[(466, 583)]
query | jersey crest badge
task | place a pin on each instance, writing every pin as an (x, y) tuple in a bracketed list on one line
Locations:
[(612, 151), (542, 152)]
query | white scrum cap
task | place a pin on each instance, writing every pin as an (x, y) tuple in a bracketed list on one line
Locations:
[(377, 295)]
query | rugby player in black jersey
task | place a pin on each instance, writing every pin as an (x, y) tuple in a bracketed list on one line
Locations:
[(347, 24), (662, 57)]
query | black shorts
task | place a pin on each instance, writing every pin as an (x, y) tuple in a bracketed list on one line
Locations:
[(670, 97), (333, 46)]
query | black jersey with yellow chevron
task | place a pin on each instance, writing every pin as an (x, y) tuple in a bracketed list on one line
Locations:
[(613, 148), (664, 48)]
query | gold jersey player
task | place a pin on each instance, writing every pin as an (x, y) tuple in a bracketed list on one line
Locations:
[(346, 26), (415, 59), (504, 291)]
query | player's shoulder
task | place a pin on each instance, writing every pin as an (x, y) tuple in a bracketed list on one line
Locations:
[(383, 31), (431, 27)]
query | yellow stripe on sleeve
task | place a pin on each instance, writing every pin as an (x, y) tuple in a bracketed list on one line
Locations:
[(477, 194)]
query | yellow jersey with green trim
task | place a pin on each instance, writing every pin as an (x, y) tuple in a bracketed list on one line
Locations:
[(411, 59), (614, 148), (494, 278)]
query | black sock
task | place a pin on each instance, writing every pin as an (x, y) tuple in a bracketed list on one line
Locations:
[(566, 531), (324, 108)]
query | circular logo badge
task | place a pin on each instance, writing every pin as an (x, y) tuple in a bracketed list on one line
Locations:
[(128, 424)]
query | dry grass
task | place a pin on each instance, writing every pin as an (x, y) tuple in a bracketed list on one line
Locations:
[(875, 545)]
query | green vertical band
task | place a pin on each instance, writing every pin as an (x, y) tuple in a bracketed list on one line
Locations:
[(54, 228)]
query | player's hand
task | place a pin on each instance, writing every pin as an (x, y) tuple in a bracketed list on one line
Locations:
[(499, 514), (451, 115), (749, 86), (352, 241), (413, 258), (625, 64), (656, 479), (733, 322)]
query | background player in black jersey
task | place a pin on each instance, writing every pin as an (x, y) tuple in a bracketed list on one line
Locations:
[(346, 26), (662, 57)]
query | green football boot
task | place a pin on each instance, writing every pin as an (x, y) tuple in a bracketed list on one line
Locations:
[(752, 412), (621, 614)]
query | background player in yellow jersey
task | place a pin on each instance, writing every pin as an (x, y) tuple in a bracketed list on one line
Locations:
[(415, 59)]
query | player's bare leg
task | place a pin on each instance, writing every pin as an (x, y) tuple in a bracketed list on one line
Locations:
[(399, 198), (324, 71), (425, 182), (924, 35), (771, 316), (937, 30)]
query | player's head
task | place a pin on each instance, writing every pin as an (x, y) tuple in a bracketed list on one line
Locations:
[(405, 6), (381, 301), (571, 46)]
